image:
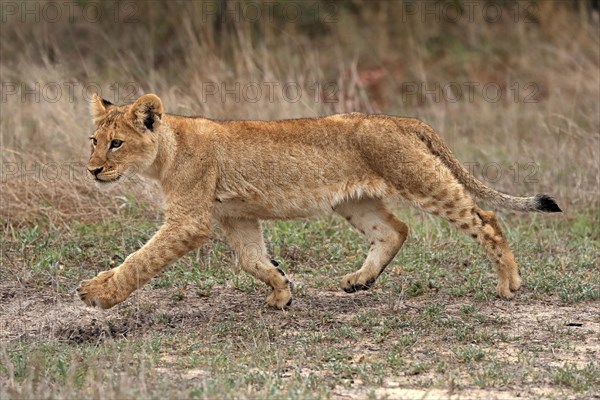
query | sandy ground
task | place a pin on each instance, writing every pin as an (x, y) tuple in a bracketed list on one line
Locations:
[(36, 315)]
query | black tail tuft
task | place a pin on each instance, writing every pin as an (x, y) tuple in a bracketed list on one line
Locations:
[(545, 203)]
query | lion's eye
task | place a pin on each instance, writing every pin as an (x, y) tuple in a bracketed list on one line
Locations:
[(94, 141), (115, 143)]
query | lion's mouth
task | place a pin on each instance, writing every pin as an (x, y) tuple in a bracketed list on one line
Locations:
[(110, 179)]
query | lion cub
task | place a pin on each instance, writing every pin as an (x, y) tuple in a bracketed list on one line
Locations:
[(240, 172)]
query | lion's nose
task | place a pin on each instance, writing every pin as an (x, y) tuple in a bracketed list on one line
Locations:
[(95, 171)]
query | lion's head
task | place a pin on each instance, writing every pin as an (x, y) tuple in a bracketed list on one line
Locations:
[(125, 140)]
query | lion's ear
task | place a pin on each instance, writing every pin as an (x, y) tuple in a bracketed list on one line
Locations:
[(99, 108), (146, 112)]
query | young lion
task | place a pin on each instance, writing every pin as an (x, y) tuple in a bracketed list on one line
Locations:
[(240, 172)]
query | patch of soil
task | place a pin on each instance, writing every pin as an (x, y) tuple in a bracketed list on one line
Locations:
[(28, 313), (34, 314), (31, 315)]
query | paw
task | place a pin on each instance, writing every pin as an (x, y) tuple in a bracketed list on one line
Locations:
[(281, 298), (508, 285), (503, 289), (515, 282), (102, 291), (353, 282)]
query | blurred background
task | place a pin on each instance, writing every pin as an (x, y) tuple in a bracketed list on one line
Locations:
[(512, 86)]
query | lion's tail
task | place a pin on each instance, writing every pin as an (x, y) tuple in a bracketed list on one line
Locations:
[(540, 202)]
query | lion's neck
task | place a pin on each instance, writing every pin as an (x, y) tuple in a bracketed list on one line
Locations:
[(163, 162)]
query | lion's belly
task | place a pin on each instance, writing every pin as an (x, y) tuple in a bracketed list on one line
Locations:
[(282, 203), (260, 210)]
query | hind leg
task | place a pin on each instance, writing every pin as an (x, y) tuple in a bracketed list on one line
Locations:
[(246, 238), (451, 202), (490, 235), (383, 230), (485, 229)]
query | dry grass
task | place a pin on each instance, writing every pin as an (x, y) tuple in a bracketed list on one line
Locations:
[(368, 61)]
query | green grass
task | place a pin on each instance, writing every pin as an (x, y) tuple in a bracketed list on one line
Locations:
[(578, 379), (430, 319)]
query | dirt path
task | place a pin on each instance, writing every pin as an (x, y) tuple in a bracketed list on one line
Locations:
[(542, 334)]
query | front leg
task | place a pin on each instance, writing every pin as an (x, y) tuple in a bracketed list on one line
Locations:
[(172, 241), (246, 238)]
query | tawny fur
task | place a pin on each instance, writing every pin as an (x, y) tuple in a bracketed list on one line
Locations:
[(240, 172)]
